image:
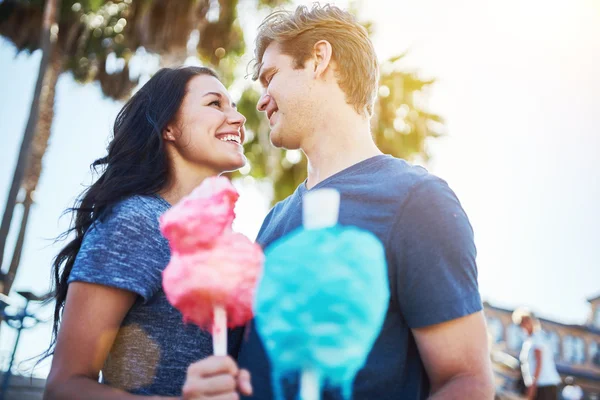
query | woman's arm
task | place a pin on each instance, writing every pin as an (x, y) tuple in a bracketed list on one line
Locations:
[(91, 319)]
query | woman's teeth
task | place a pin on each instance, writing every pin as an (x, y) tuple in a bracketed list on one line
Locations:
[(230, 138)]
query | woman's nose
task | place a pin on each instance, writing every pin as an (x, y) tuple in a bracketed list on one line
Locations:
[(237, 118)]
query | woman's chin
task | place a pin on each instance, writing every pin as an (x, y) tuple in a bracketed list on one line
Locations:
[(236, 162)]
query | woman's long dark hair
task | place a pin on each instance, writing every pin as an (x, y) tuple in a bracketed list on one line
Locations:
[(136, 164)]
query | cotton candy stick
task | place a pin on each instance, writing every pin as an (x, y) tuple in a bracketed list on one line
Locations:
[(320, 209), (219, 331), (310, 386)]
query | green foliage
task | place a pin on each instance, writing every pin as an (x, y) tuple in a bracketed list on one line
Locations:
[(271, 3), (401, 126), (93, 30)]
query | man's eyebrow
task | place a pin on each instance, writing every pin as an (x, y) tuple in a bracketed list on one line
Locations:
[(220, 95), (263, 73)]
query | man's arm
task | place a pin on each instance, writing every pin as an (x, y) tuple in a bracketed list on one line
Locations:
[(438, 294), (532, 390), (457, 358)]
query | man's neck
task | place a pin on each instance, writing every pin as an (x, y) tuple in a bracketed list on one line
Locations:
[(338, 147)]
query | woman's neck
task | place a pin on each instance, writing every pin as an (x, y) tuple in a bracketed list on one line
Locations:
[(185, 178)]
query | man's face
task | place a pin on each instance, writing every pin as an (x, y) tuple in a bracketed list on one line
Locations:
[(287, 99), (527, 325)]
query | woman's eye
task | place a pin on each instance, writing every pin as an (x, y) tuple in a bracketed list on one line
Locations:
[(215, 103)]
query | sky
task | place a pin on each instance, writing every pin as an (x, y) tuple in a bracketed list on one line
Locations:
[(517, 85)]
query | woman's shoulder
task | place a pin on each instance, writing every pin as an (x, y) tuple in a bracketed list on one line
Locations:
[(124, 247), (141, 206), (137, 210), (136, 216)]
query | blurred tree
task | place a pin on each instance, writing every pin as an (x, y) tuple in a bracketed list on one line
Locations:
[(401, 124), (98, 40), (95, 41)]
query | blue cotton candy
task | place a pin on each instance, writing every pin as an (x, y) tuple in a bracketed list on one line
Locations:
[(321, 303)]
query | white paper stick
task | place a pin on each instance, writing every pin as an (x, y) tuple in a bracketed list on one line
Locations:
[(320, 208), (219, 331), (310, 389)]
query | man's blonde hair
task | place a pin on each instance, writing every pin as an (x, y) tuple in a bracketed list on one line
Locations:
[(520, 314), (297, 32)]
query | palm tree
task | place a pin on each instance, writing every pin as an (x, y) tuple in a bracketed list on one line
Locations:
[(91, 33), (21, 22), (45, 83)]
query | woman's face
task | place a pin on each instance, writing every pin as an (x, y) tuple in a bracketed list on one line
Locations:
[(208, 130)]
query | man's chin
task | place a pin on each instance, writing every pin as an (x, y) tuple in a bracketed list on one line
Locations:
[(276, 139)]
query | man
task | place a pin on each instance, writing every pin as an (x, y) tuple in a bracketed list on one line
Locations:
[(537, 359), (320, 75)]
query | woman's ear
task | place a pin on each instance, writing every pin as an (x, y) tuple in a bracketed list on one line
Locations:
[(169, 134)]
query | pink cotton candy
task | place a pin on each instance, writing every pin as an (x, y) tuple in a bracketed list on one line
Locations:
[(226, 274), (210, 264), (200, 217)]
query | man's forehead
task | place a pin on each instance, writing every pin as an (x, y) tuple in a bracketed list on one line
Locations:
[(271, 55)]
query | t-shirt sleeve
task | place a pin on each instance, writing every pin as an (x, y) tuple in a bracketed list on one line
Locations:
[(261, 237), (122, 251), (537, 342), (434, 255)]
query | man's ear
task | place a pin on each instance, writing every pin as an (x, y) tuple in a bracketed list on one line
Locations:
[(322, 52)]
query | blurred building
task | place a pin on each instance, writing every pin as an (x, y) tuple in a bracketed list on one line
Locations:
[(24, 388), (576, 349)]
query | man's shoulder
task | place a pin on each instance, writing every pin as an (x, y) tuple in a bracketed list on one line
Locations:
[(286, 203), (389, 177), (285, 210), (388, 167), (539, 339), (393, 174)]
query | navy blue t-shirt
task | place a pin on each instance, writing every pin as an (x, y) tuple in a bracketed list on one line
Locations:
[(431, 261)]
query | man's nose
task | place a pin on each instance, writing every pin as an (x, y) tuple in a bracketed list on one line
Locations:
[(263, 102)]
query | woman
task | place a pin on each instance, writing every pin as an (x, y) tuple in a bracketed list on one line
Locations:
[(178, 129)]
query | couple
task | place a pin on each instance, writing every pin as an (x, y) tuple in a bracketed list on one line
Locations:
[(320, 75)]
